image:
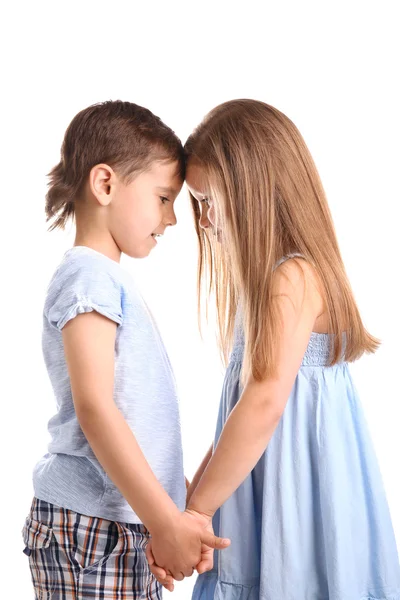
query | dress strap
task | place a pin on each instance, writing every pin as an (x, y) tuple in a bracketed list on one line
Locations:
[(288, 257)]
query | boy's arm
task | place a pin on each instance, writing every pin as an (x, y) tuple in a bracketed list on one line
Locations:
[(89, 342), (198, 474)]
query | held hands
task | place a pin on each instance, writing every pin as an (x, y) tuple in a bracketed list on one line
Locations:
[(174, 553)]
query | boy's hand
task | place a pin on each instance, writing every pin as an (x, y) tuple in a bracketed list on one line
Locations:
[(189, 544), (164, 578), (203, 526)]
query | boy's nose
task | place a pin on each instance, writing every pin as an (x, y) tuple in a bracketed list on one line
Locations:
[(171, 218)]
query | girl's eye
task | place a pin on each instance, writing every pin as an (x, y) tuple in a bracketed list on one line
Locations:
[(207, 201), (164, 200)]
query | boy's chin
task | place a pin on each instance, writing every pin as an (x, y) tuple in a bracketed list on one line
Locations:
[(139, 255), (139, 250)]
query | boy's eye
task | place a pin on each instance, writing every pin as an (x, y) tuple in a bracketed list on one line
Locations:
[(206, 200), (164, 200)]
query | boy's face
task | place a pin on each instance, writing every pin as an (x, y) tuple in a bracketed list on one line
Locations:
[(142, 210), (196, 183)]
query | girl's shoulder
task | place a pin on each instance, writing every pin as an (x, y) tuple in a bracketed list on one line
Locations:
[(296, 278)]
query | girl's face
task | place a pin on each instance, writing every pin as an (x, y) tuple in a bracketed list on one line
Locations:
[(143, 209), (196, 183)]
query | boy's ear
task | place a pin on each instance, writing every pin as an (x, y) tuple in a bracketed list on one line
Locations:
[(101, 180)]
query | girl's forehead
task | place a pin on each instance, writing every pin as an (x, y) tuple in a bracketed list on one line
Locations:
[(196, 178)]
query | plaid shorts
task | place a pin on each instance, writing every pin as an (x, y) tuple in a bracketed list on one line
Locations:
[(74, 557)]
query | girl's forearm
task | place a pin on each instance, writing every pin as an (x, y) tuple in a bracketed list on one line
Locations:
[(195, 481), (243, 440), (120, 455)]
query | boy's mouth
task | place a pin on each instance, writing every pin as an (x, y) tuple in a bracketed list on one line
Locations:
[(156, 236)]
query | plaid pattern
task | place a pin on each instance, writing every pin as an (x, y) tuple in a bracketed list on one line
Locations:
[(74, 557)]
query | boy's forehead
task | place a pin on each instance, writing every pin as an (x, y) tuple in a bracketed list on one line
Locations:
[(167, 177)]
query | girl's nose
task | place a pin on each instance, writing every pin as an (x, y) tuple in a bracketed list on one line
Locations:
[(204, 220)]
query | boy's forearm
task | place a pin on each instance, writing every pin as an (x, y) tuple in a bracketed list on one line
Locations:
[(243, 440), (117, 450), (199, 473)]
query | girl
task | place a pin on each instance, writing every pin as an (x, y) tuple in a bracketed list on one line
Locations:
[(113, 474), (293, 479)]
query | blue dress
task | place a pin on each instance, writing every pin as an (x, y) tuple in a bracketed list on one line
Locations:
[(311, 521)]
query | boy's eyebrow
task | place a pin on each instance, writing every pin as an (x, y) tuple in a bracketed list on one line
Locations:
[(168, 190)]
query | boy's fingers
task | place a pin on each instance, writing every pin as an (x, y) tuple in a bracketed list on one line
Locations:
[(212, 541), (160, 574), (149, 554), (167, 582)]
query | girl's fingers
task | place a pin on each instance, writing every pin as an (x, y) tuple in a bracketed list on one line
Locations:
[(204, 565), (213, 541)]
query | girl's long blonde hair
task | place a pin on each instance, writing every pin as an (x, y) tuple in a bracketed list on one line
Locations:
[(269, 203)]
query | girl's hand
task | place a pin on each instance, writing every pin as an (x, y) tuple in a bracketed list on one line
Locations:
[(178, 559), (207, 553), (189, 491)]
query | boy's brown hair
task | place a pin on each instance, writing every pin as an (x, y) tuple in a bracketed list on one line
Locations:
[(125, 136)]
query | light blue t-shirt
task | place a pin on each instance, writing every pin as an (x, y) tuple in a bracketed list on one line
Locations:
[(144, 390)]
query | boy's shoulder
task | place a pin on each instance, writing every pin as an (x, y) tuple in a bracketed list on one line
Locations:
[(84, 271), (81, 263), (87, 280)]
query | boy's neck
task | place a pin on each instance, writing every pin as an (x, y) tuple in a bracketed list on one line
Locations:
[(104, 245), (92, 230)]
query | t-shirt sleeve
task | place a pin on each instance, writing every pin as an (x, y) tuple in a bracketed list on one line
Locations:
[(84, 289)]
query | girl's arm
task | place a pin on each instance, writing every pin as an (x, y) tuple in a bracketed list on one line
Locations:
[(251, 424), (89, 342), (192, 486)]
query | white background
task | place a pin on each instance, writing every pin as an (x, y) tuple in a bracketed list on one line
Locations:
[(333, 67)]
